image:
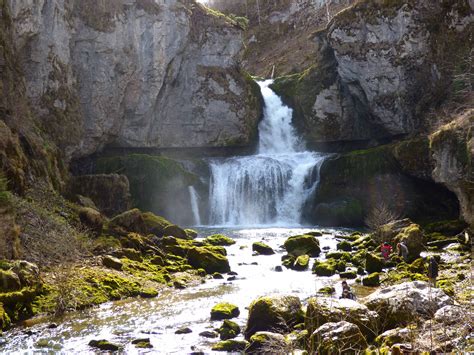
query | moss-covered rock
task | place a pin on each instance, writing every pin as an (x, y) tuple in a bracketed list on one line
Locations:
[(348, 274), (104, 345), (448, 228), (267, 343), (276, 314), (301, 263), (344, 246), (219, 239), (92, 219), (148, 293), (394, 336), (373, 263), (203, 258), (371, 280), (339, 255), (302, 244), (413, 238), (228, 330), (321, 268), (191, 233), (224, 310), (4, 319), (262, 248), (9, 281), (230, 345), (129, 221), (327, 290), (173, 230), (155, 224), (332, 337), (112, 262)]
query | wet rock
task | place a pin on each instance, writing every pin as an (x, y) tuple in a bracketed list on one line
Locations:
[(338, 337), (184, 330), (339, 255), (219, 239), (267, 343), (315, 233), (262, 248), (230, 345), (348, 275), (371, 280), (209, 334), (400, 304), (404, 231), (394, 336), (92, 219), (327, 268), (232, 273), (9, 281), (142, 343), (201, 257), (276, 313), (232, 278), (301, 263), (191, 233), (128, 221), (179, 284), (449, 315), (224, 311), (132, 254), (228, 330), (217, 276), (278, 268), (148, 293), (373, 263), (344, 246), (302, 244), (104, 345), (173, 230), (323, 310), (52, 326), (327, 290), (112, 262)]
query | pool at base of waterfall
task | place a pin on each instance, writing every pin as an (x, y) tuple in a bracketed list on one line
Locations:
[(158, 318)]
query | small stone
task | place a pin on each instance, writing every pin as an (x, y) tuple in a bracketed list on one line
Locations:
[(104, 345), (185, 330), (179, 284), (224, 311), (232, 273), (278, 268), (231, 278), (262, 248), (217, 276), (52, 326), (112, 262), (209, 334)]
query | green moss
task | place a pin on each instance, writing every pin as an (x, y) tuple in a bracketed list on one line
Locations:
[(302, 244), (219, 239), (230, 345), (447, 286), (339, 255), (344, 245), (104, 345), (262, 248), (373, 263), (148, 293), (371, 280), (327, 290), (4, 319), (224, 310), (324, 268), (204, 258), (301, 263), (228, 330)]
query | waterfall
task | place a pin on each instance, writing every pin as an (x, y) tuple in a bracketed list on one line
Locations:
[(269, 187), (194, 205)]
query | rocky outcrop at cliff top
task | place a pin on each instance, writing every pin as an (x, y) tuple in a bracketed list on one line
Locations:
[(135, 73), (378, 68)]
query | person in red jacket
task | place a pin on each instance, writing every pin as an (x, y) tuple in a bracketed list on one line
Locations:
[(386, 250)]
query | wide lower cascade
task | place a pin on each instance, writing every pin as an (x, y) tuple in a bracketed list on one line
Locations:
[(270, 187)]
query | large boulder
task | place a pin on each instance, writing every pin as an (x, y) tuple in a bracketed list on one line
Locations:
[(262, 248), (302, 244), (219, 239), (92, 219), (337, 338), (273, 314), (449, 315), (229, 330), (9, 281), (268, 343), (400, 304), (128, 221), (322, 310), (224, 310), (203, 258)]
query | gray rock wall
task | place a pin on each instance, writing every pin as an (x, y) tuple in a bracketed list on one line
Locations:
[(134, 73)]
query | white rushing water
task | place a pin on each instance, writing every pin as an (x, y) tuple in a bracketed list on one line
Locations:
[(195, 205), (268, 188)]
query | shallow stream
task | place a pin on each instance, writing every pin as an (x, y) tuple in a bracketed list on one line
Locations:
[(158, 318)]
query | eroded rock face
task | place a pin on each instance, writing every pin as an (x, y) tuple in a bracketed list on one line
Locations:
[(134, 73), (406, 302)]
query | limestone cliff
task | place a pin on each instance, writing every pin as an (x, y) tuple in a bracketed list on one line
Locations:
[(133, 73)]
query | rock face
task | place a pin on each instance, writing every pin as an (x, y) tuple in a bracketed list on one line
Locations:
[(402, 303), (134, 74), (337, 337)]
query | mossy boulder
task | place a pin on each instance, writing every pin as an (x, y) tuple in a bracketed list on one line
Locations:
[(191, 233), (9, 281), (224, 310), (104, 345), (373, 263), (132, 254), (173, 230), (148, 293), (219, 239), (262, 248), (230, 345), (203, 258), (394, 336), (327, 290), (228, 330), (268, 343), (276, 314), (288, 261), (155, 224), (321, 310), (302, 244), (112, 262), (301, 263), (371, 280), (321, 268), (348, 274), (4, 319), (413, 238), (91, 219), (128, 221), (344, 246), (331, 338), (339, 255)]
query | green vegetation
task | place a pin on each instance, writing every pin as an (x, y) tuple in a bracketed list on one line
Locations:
[(224, 310), (219, 239), (302, 244)]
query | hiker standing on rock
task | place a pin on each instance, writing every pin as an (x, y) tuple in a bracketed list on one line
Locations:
[(432, 270), (386, 250), (402, 250)]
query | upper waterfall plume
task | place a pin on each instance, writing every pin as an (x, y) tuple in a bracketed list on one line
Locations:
[(269, 187)]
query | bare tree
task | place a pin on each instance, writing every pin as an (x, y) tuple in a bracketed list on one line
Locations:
[(380, 214)]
